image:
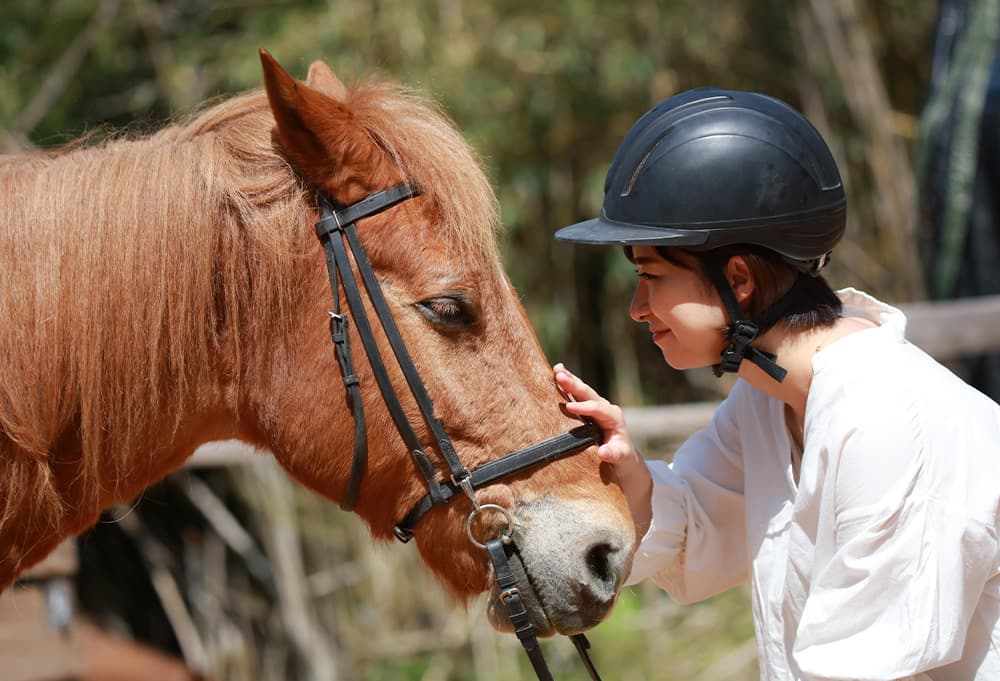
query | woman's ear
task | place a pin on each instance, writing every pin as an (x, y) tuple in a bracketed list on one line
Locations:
[(740, 279)]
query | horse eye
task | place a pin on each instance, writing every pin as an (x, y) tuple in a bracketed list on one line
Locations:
[(449, 311)]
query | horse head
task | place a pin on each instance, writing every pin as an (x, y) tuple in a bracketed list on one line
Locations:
[(437, 262), (173, 291)]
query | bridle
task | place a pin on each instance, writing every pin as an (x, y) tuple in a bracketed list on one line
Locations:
[(337, 231)]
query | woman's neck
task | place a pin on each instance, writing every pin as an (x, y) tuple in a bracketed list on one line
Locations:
[(794, 352)]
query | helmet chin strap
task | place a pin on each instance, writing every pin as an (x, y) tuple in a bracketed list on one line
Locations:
[(744, 331)]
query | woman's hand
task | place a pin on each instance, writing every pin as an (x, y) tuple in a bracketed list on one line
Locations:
[(617, 448)]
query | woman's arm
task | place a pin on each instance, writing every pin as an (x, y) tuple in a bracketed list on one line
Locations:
[(691, 514)]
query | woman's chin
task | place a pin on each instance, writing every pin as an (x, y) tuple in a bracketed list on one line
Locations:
[(682, 363)]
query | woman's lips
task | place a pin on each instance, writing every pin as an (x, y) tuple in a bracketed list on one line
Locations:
[(660, 335)]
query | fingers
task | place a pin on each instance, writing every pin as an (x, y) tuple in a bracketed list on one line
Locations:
[(588, 402), (572, 385), (617, 446), (608, 416), (617, 451)]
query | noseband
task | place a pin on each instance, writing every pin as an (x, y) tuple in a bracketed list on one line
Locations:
[(337, 232)]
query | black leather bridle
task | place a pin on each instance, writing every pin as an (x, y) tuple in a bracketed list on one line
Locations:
[(337, 232)]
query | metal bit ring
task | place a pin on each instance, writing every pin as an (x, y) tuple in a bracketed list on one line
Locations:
[(504, 536)]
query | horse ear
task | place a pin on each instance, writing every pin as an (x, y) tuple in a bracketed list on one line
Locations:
[(316, 131), (323, 79)]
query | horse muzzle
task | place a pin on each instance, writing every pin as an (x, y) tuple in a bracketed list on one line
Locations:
[(569, 565)]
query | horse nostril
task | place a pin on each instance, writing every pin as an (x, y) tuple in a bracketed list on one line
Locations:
[(599, 561)]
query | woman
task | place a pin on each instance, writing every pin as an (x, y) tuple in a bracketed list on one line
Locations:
[(852, 479)]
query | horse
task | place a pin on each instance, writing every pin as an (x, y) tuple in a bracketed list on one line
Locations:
[(167, 290)]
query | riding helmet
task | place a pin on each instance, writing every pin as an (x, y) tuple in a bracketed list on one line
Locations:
[(712, 167)]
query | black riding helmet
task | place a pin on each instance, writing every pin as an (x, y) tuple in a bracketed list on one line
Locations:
[(711, 167)]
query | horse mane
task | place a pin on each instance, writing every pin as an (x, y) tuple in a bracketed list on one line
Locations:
[(128, 264)]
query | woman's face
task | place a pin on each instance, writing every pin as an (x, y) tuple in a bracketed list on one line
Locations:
[(684, 313)]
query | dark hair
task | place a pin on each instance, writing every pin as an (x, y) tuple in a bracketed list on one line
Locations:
[(811, 302)]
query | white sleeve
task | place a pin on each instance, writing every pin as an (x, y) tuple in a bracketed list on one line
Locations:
[(901, 564), (696, 543)]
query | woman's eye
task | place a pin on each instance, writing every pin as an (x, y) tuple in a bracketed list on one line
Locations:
[(447, 311)]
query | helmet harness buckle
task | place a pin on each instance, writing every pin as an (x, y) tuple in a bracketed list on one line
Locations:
[(743, 331)]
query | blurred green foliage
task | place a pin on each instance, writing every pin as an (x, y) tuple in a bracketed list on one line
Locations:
[(544, 91)]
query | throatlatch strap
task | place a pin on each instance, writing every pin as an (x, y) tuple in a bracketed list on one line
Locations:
[(331, 231), (334, 228), (342, 349), (342, 222), (356, 306), (359, 462)]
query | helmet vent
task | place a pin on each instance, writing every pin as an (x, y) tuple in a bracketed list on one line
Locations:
[(635, 173)]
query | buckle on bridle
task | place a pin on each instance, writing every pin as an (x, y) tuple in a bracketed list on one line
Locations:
[(338, 327), (339, 251), (466, 485), (509, 594), (403, 534), (323, 226)]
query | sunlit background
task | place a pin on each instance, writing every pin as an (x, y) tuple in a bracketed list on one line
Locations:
[(247, 576)]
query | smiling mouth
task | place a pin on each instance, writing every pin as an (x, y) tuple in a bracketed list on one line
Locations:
[(659, 335)]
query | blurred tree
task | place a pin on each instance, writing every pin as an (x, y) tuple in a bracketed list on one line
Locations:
[(545, 91), (958, 166)]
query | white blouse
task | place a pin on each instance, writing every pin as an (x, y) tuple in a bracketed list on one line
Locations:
[(882, 561)]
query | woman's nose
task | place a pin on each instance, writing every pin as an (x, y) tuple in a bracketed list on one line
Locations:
[(640, 303)]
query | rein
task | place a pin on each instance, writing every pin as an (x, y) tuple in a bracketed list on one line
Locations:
[(337, 231)]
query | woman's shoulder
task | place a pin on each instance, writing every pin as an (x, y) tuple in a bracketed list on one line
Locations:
[(887, 387), (869, 375), (871, 357)]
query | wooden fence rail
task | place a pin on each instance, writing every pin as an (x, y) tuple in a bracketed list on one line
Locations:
[(946, 330)]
